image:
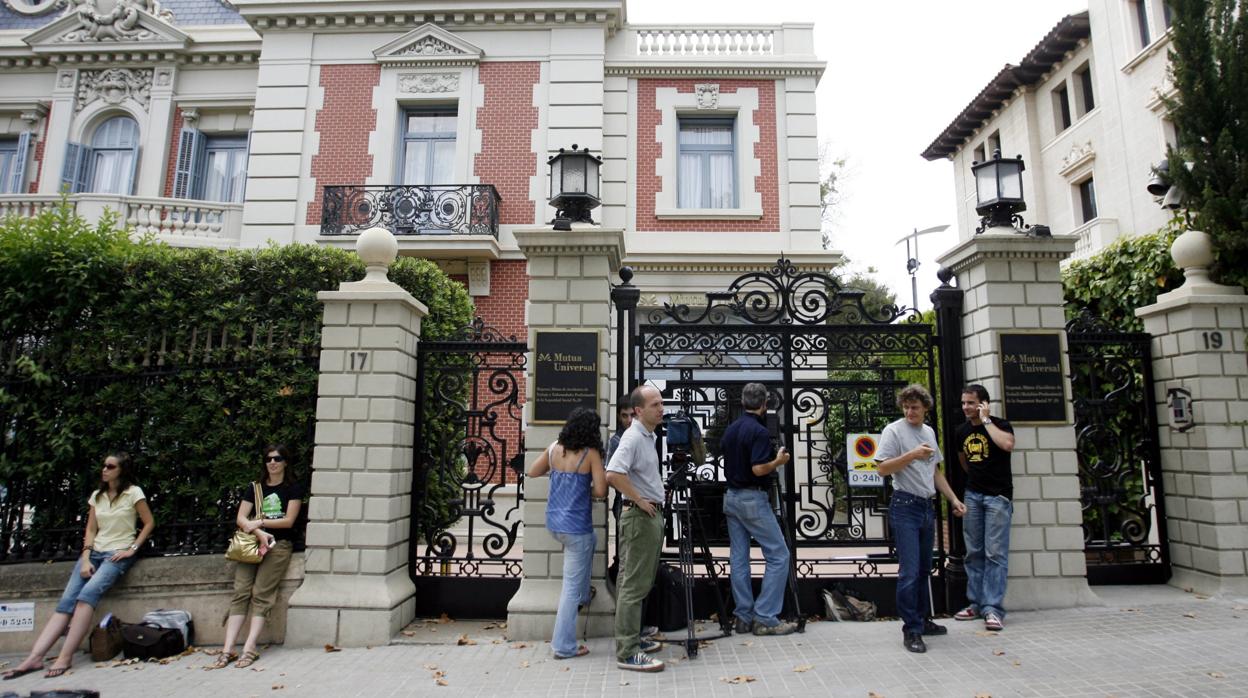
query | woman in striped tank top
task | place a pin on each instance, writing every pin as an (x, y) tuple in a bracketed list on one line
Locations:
[(576, 470)]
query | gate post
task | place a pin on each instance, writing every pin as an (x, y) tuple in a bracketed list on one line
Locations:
[(1198, 347), (356, 590), (947, 302), (1013, 283), (569, 288)]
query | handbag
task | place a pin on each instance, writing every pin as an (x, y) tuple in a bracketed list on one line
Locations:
[(106, 639), (150, 641), (245, 547)]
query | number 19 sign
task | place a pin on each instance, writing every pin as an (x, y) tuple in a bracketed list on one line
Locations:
[(860, 449)]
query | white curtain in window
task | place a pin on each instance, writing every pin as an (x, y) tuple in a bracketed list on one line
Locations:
[(6, 169), (706, 135), (112, 171), (443, 170), (223, 175), (690, 179), (721, 189), (416, 162)]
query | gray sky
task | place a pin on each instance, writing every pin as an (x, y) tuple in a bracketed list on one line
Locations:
[(898, 73)]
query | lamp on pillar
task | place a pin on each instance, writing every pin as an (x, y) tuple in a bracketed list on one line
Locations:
[(999, 195), (573, 186)]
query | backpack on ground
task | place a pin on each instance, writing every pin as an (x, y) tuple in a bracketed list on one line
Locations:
[(148, 641), (840, 604), (178, 620)]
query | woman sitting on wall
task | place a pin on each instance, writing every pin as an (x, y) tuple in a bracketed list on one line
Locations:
[(574, 462), (108, 550), (255, 586)]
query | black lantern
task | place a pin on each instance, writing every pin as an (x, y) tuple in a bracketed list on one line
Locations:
[(999, 191), (573, 186)]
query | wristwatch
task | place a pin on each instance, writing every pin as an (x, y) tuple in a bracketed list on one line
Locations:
[(987, 421), (134, 546)]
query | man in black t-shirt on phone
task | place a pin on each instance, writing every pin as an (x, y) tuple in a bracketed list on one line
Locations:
[(984, 446)]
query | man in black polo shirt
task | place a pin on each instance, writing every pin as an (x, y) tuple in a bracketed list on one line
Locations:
[(984, 446), (748, 465)]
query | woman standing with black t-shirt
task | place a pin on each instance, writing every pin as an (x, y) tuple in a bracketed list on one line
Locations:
[(255, 586)]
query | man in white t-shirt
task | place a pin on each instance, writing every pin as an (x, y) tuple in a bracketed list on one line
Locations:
[(909, 453)]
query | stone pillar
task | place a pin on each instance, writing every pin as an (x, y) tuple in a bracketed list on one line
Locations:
[(1199, 346), (356, 590), (569, 288), (1013, 282)]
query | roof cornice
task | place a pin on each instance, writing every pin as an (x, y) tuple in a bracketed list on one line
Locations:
[(1037, 64), (276, 15)]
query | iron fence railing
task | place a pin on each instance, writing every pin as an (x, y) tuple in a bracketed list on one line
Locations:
[(434, 209)]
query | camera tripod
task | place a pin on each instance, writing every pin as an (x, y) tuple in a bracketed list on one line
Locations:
[(777, 499), (688, 516)]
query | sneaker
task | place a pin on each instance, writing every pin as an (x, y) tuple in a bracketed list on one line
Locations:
[(741, 626), (649, 646), (648, 632), (782, 628), (930, 628), (993, 622), (968, 613), (640, 662), (914, 643)]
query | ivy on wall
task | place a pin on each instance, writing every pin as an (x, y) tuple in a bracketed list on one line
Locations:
[(190, 359), (1127, 274)]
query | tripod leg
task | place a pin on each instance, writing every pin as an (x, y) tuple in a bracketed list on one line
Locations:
[(788, 539), (699, 535)]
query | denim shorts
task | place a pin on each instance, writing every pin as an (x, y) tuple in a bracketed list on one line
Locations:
[(91, 590)]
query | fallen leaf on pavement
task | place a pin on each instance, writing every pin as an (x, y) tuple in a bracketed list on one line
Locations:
[(1202, 597), (524, 665), (623, 683), (465, 640), (409, 633), (1131, 610), (983, 695), (442, 682), (1187, 589), (743, 678), (1189, 615), (519, 645), (1017, 663), (431, 667), (803, 668), (985, 633), (278, 686), (748, 643), (331, 648), (998, 653), (873, 694), (444, 619), (257, 668), (564, 669), (1217, 675)]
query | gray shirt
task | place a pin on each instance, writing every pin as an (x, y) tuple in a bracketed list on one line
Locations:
[(637, 458), (918, 477)]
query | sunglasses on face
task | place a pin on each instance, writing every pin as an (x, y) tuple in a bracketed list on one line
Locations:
[(274, 459), (110, 466)]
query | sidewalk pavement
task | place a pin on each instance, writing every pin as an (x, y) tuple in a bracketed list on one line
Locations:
[(1144, 641)]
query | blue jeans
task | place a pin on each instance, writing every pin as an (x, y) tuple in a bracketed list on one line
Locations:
[(578, 556), (749, 515), (89, 591), (913, 523), (986, 529)]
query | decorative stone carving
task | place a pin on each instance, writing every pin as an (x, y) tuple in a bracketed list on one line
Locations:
[(1079, 154), (114, 85), (190, 115), (708, 95), (430, 46), (164, 77), (65, 79), (426, 83), (35, 7), (478, 279), (112, 20)]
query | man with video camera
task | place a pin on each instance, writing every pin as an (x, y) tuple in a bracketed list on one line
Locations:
[(748, 468)]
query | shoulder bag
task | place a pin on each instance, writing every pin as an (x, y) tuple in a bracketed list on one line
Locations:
[(245, 547)]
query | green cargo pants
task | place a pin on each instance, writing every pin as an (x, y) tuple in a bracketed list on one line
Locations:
[(641, 539)]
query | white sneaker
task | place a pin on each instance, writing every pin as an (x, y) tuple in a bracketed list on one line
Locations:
[(640, 662)]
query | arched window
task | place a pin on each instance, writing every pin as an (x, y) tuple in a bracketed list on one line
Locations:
[(107, 165), (115, 155)]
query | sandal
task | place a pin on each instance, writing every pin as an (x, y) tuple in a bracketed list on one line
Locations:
[(16, 673), (223, 660), (56, 671), (249, 657), (581, 651)]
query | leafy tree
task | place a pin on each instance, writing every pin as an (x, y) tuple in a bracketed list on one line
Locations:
[(832, 173), (1209, 67)]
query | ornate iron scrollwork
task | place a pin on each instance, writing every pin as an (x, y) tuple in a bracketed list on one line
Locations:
[(460, 209)]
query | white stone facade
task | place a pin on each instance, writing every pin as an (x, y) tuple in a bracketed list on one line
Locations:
[(1113, 141)]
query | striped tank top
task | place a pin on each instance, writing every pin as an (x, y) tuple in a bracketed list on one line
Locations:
[(567, 508)]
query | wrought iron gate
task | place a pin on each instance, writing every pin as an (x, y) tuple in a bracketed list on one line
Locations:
[(832, 367), (1124, 522), (469, 473)]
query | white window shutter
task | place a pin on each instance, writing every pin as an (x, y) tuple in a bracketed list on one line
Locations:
[(17, 185), (71, 169), (190, 142)]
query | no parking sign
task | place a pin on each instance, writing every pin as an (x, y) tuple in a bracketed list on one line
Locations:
[(860, 450)]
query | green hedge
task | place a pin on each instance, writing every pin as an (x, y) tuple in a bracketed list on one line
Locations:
[(84, 307), (1129, 273)]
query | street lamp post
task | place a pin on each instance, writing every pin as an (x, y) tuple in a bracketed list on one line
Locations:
[(573, 186), (999, 195), (912, 261)]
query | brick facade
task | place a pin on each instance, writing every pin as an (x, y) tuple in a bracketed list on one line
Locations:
[(37, 165), (649, 150), (507, 121), (171, 164), (343, 124)]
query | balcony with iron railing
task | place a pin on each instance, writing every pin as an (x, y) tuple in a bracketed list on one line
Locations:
[(434, 220), (178, 222)]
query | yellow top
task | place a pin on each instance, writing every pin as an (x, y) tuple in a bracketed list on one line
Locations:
[(115, 520)]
